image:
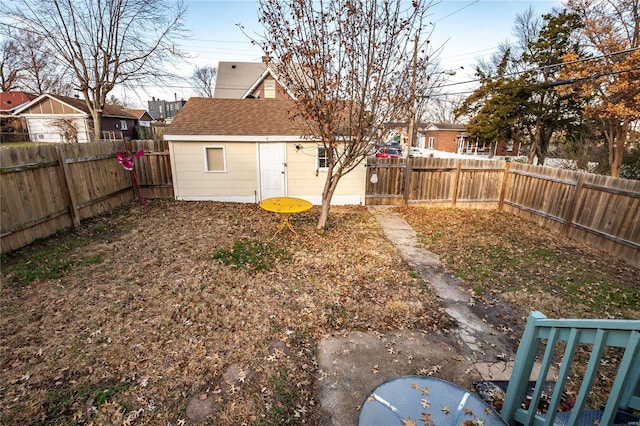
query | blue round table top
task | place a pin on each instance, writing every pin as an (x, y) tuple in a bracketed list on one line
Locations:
[(419, 400)]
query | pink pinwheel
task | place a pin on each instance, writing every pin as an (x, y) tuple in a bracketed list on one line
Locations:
[(125, 158)]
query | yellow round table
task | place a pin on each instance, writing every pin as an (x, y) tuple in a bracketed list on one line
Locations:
[(285, 206)]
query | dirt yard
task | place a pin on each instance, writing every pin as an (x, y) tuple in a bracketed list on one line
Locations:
[(127, 319)]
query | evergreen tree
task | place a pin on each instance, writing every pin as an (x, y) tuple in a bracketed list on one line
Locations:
[(519, 98)]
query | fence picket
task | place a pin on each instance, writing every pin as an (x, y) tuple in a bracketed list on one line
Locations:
[(73, 203)]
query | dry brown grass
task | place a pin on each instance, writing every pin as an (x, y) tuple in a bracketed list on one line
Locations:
[(503, 258), (124, 320), (511, 267), (127, 318)]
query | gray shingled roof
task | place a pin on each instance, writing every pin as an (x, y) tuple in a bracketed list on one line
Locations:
[(235, 78), (235, 117)]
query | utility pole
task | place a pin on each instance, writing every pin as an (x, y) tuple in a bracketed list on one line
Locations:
[(412, 105)]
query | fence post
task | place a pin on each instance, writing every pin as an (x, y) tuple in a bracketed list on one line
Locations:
[(73, 203), (407, 177), (505, 184), (456, 183), (573, 203)]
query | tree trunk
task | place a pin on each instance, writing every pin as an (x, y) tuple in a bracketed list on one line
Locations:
[(616, 136), (535, 148), (616, 152), (545, 139), (97, 125), (324, 212), (615, 165), (327, 194)]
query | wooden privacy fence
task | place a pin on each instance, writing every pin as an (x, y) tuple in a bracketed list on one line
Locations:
[(46, 188), (601, 211)]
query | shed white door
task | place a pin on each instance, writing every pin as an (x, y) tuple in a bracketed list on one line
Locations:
[(44, 129), (272, 170)]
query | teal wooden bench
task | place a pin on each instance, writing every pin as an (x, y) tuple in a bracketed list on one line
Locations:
[(624, 392)]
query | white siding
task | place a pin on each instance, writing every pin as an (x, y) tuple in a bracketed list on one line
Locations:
[(306, 181), (191, 181), (240, 183)]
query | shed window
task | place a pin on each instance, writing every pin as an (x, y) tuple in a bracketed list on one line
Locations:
[(123, 125), (323, 159), (215, 159), (432, 139)]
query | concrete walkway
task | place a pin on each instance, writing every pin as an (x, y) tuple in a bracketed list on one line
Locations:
[(352, 364), (476, 334)]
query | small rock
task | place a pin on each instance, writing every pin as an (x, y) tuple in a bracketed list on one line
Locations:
[(198, 409), (232, 374), (278, 348)]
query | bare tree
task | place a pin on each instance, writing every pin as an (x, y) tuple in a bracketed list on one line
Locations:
[(351, 66), (441, 109), (114, 100), (103, 42), (203, 79), (41, 71), (9, 65)]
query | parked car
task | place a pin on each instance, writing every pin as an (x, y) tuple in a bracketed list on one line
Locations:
[(388, 152), (416, 152)]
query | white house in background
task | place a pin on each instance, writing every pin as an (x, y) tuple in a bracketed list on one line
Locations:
[(142, 115), (246, 150), (55, 118)]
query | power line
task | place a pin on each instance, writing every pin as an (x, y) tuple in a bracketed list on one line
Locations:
[(546, 84), (593, 58), (588, 77), (458, 10)]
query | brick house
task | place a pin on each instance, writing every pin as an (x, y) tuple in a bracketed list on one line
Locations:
[(12, 127), (454, 138)]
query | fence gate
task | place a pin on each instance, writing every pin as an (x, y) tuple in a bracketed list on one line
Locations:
[(388, 189)]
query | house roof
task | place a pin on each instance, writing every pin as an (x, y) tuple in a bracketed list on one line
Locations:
[(109, 110), (446, 126), (138, 113), (260, 80), (10, 101), (236, 117), (80, 105), (234, 78)]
